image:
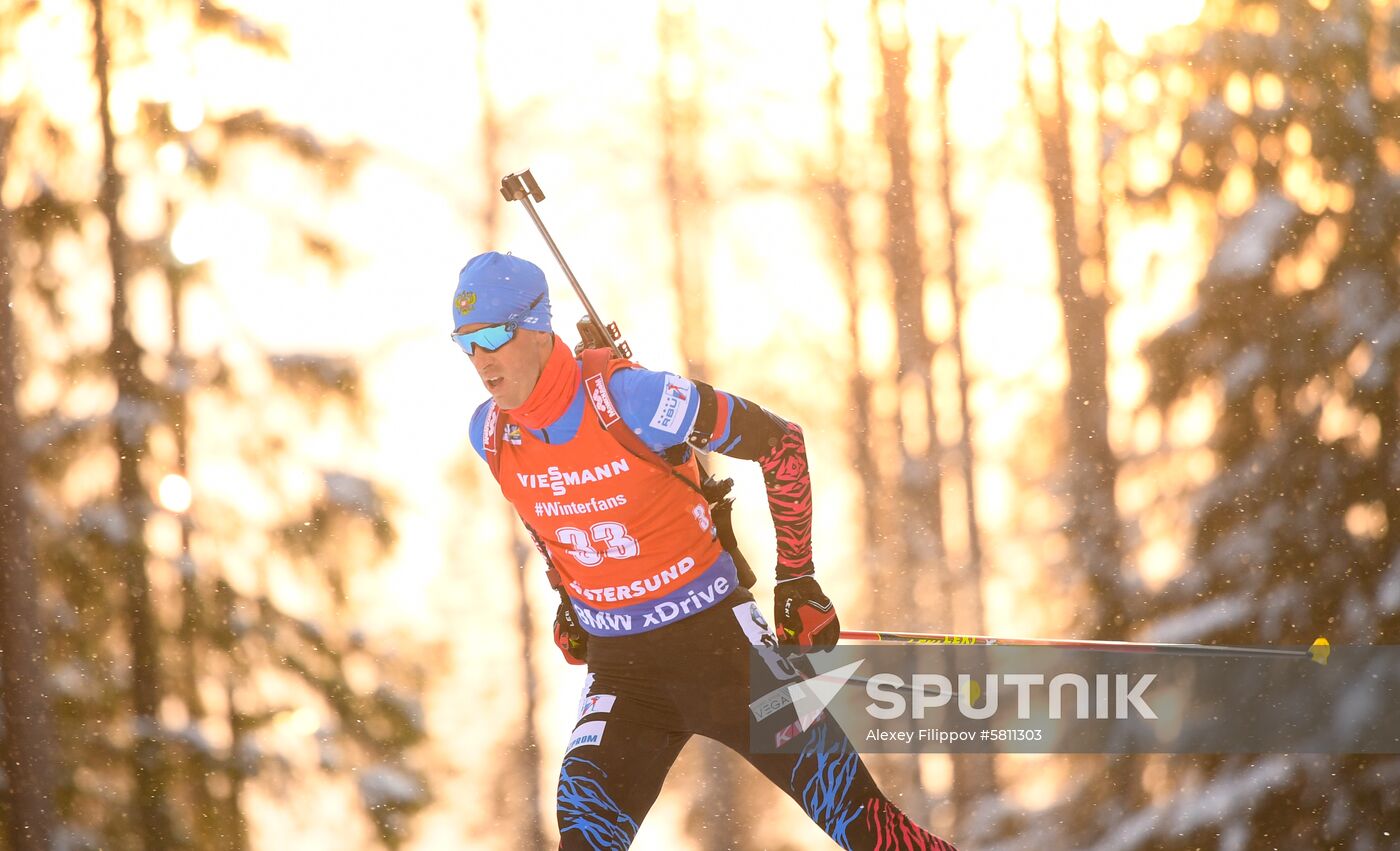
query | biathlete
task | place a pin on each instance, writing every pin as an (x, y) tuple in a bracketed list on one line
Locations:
[(595, 455)]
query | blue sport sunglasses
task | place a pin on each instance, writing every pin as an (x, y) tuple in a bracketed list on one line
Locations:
[(492, 337)]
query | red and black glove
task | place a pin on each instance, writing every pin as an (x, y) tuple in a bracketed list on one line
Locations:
[(569, 637), (804, 616)]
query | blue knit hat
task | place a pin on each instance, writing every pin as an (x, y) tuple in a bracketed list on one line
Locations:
[(494, 288)]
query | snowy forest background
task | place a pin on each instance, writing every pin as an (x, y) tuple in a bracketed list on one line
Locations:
[(1089, 310)]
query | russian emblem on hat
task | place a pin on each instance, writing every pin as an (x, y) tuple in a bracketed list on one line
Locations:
[(465, 303)]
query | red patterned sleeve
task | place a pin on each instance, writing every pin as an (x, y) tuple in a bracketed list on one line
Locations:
[(790, 501), (744, 429)]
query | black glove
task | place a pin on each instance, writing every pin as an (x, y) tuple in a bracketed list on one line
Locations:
[(569, 637), (803, 614)]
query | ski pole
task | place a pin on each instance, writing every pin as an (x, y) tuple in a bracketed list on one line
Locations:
[(523, 188), (1318, 652)]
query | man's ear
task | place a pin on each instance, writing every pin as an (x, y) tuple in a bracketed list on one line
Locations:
[(543, 342)]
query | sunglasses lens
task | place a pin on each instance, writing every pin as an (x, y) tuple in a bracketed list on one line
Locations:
[(489, 339)]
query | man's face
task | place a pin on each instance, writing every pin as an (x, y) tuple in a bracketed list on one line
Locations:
[(509, 373)]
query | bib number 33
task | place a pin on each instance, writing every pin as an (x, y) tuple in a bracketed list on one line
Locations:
[(602, 540)]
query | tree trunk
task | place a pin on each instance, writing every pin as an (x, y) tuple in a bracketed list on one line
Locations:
[(26, 740), (836, 193), (198, 767), (683, 187), (974, 775), (1094, 526), (235, 828), (687, 205), (128, 433), (972, 578), (1374, 248), (490, 125), (525, 754), (922, 554)]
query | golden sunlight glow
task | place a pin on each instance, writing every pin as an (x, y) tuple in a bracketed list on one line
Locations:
[(174, 493), (186, 113), (1309, 271), (1238, 95), (170, 158), (892, 17), (192, 240), (1246, 145), (1237, 192), (1360, 360), (1193, 159), (1268, 91), (1131, 23), (1007, 332), (1340, 197), (1180, 82), (1146, 170), (1193, 420), (1298, 139), (1260, 18), (1366, 520), (1338, 420), (12, 82), (1114, 99), (1146, 87), (1328, 236), (1368, 435), (1389, 152), (1038, 779), (302, 721), (984, 113), (1302, 180)]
